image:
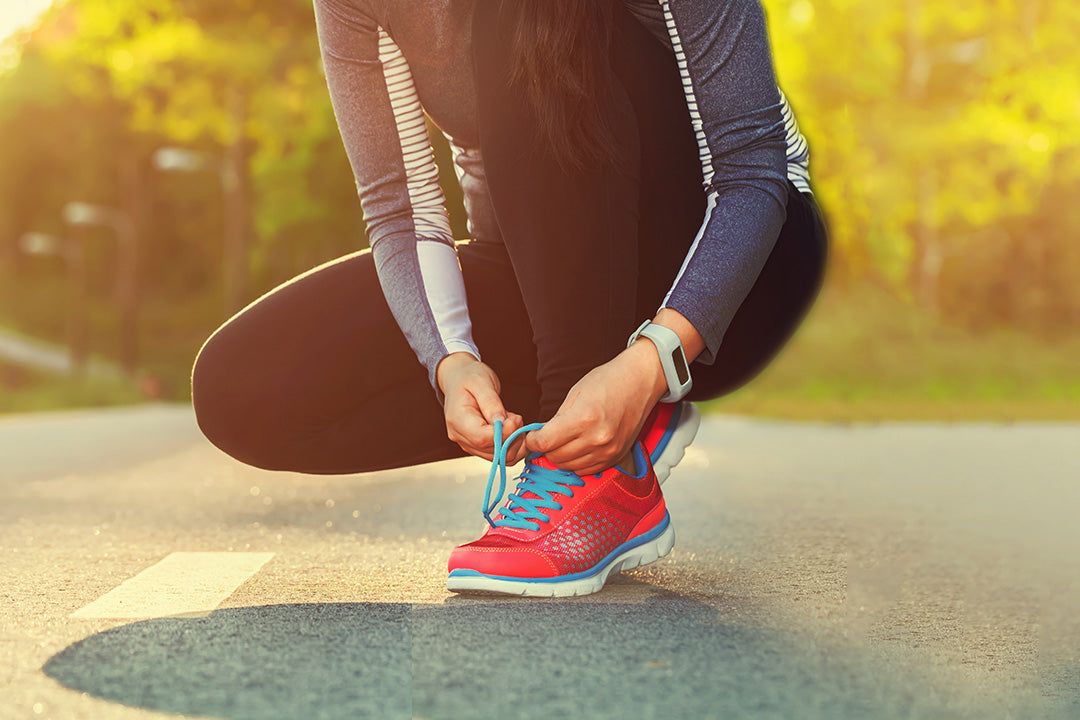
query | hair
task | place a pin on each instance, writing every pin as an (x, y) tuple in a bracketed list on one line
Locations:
[(561, 60)]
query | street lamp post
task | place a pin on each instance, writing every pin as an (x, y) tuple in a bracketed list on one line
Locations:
[(79, 215), (175, 159), (39, 243)]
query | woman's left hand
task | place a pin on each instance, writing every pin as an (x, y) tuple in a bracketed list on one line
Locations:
[(603, 413)]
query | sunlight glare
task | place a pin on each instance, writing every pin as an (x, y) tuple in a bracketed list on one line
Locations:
[(18, 14)]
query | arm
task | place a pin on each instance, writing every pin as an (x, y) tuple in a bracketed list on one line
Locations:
[(385, 135), (723, 53), (384, 132), (724, 58)]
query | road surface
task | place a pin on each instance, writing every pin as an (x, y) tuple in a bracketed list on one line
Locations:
[(820, 571)]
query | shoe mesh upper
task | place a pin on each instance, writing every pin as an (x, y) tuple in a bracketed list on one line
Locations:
[(597, 527), (586, 537)]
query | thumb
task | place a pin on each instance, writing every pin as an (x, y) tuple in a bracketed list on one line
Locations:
[(546, 438), (490, 404)]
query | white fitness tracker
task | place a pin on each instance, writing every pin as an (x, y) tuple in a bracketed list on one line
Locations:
[(672, 358)]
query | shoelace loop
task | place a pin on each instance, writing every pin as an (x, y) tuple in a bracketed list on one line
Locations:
[(522, 512)]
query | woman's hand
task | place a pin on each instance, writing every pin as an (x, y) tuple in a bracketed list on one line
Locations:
[(603, 413), (472, 406)]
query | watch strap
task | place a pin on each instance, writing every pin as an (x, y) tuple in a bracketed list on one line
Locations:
[(672, 359)]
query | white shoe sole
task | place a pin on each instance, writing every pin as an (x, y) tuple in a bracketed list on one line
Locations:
[(684, 434), (648, 552)]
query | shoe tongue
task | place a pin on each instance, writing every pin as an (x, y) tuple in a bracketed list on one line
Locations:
[(542, 461)]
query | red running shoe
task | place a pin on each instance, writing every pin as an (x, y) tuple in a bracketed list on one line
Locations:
[(561, 534), (666, 434)]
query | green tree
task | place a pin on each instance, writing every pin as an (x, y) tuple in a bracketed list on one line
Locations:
[(937, 130)]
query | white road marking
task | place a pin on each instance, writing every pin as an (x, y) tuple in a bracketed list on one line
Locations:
[(184, 583)]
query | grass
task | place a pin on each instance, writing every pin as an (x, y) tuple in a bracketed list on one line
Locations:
[(861, 355), (23, 391), (864, 355)]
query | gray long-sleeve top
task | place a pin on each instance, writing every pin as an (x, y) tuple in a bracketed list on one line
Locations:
[(389, 61)]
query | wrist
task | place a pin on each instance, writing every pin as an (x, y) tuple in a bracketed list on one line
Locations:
[(692, 342), (450, 365), (645, 358), (669, 350)]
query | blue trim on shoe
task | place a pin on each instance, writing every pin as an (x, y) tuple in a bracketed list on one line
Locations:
[(639, 460), (666, 437), (628, 545)]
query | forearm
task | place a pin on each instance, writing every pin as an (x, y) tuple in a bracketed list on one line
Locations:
[(724, 264), (423, 286), (724, 57), (383, 130)]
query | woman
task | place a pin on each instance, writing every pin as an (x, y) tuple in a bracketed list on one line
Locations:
[(583, 173)]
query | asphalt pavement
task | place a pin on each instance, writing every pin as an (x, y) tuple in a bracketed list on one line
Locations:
[(895, 570)]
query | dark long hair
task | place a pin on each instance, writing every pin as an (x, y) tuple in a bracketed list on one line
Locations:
[(561, 60)]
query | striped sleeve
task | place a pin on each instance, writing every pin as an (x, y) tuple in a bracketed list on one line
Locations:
[(744, 143), (384, 131), (798, 150)]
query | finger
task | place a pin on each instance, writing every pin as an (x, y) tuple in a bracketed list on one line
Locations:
[(478, 439), (470, 421), (455, 436), (557, 432), (584, 453), (512, 424), (475, 448), (489, 403), (477, 452), (519, 453), (569, 444)]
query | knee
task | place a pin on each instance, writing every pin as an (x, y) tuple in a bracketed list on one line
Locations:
[(226, 411), (211, 394)]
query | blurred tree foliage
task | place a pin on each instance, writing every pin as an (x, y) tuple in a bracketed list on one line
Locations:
[(942, 135), (943, 138)]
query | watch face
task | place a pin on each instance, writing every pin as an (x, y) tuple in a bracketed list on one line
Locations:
[(680, 365)]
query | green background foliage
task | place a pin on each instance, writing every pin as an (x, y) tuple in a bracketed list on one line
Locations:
[(943, 145)]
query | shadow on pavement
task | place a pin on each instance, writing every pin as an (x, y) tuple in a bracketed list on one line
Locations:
[(666, 656), (347, 660)]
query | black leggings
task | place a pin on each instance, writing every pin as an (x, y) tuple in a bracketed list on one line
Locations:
[(316, 377)]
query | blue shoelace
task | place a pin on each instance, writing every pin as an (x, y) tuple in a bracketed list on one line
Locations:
[(521, 512)]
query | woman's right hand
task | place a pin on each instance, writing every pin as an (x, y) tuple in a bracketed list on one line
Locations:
[(472, 405)]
